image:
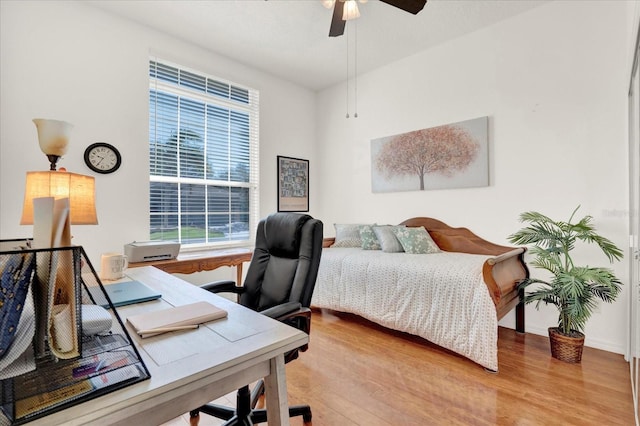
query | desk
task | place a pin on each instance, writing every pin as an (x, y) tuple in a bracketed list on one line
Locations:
[(192, 367), (197, 261)]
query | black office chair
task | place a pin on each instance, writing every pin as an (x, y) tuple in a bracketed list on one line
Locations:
[(279, 284)]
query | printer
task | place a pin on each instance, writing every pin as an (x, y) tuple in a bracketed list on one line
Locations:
[(147, 251)]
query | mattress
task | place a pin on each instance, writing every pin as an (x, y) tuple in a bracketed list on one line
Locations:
[(440, 297)]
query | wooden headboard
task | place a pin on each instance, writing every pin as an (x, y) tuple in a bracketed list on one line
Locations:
[(456, 239), (448, 238)]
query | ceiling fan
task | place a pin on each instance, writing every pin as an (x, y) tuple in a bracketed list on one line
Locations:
[(345, 10)]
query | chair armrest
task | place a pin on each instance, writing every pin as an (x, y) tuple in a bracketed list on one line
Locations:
[(293, 314), (301, 314), (281, 312), (223, 287)]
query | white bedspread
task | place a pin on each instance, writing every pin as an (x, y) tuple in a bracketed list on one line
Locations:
[(440, 297)]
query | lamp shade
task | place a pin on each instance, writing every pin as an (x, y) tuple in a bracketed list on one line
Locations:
[(350, 10), (53, 135), (80, 190)]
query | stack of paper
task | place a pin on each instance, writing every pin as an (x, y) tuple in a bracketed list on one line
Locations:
[(176, 318), (58, 305)]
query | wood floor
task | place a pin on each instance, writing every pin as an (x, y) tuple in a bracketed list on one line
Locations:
[(357, 373)]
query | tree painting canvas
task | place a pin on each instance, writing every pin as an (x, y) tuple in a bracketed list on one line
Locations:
[(449, 156)]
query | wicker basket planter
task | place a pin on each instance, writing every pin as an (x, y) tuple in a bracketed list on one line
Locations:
[(566, 348)]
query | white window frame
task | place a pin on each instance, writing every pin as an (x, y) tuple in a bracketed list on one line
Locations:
[(252, 110)]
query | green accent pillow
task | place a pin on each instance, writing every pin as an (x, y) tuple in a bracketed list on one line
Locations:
[(369, 239), (416, 240)]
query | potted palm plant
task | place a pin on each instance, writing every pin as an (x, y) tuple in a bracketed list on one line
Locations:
[(572, 289)]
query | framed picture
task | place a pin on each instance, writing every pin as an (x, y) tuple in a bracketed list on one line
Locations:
[(293, 184), (453, 155)]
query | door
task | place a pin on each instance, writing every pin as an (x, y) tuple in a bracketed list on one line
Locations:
[(633, 352)]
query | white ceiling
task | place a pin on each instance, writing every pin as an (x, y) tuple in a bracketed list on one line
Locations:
[(289, 38)]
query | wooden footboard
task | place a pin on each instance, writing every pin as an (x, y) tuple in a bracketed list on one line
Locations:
[(501, 273)]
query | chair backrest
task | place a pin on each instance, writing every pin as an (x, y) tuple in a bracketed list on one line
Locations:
[(285, 261)]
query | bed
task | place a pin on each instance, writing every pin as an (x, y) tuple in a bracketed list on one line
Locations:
[(453, 298)]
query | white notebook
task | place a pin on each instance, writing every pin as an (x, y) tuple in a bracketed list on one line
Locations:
[(185, 315)]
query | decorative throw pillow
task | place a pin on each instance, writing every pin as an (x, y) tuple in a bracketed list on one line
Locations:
[(369, 239), (387, 239), (416, 240), (347, 235)]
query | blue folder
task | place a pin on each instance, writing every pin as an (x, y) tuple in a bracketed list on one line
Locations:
[(124, 293)]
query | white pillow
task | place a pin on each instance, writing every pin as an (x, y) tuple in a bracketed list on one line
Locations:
[(347, 235), (388, 240)]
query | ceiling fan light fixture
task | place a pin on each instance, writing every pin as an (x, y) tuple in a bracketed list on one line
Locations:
[(350, 10), (328, 3)]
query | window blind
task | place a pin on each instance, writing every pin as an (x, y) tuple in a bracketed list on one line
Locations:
[(203, 156)]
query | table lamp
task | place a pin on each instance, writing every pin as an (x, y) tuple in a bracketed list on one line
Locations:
[(75, 192)]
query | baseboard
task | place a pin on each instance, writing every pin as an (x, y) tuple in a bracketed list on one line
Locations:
[(589, 342)]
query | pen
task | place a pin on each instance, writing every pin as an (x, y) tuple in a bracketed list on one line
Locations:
[(100, 365), (167, 329), (107, 362)]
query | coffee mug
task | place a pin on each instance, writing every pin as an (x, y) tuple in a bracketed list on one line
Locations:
[(112, 266)]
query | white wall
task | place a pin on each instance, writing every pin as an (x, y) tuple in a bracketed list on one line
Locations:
[(553, 82), (73, 62)]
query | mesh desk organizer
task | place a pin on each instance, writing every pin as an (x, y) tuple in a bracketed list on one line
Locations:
[(57, 347)]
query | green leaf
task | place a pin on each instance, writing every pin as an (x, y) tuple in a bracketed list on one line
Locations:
[(574, 290)]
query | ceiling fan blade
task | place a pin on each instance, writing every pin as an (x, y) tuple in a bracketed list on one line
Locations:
[(411, 6), (337, 24)]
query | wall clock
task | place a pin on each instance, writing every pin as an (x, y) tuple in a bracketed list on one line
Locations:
[(102, 157)]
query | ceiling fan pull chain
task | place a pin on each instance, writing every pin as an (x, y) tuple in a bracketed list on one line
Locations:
[(347, 116), (355, 76)]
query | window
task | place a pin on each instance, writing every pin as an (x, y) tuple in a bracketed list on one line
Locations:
[(203, 156)]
